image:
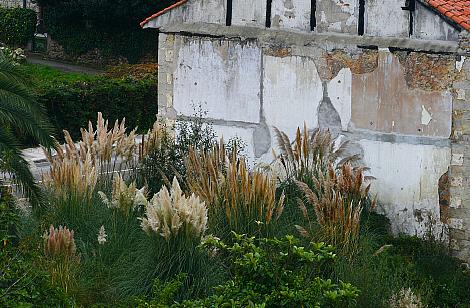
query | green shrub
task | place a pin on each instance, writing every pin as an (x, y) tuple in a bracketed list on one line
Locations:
[(23, 283), (17, 26), (72, 100), (110, 26), (9, 218), (166, 159), (445, 281), (275, 273)]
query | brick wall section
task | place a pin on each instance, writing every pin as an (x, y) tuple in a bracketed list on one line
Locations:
[(459, 213)]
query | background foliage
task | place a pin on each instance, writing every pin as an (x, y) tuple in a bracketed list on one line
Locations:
[(17, 26), (111, 26), (72, 100)]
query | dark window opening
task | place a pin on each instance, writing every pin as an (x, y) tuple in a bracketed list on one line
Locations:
[(410, 5), (228, 20), (313, 18), (268, 13), (362, 13)]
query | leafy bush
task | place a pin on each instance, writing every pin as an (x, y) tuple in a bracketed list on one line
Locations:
[(275, 273), (73, 99), (110, 26), (167, 155), (23, 282), (136, 71), (15, 56), (9, 218), (18, 26)]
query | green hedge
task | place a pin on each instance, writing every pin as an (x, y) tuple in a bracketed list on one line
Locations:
[(73, 99), (17, 26)]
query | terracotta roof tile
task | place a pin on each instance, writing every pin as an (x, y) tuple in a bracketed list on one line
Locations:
[(456, 10), (169, 8)]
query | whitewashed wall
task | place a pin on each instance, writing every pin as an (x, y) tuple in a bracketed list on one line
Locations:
[(293, 14), (383, 18), (430, 26), (207, 11), (249, 13), (247, 90), (387, 18)]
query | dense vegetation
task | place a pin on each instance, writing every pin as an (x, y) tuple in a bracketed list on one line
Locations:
[(101, 240), (17, 26), (111, 26), (20, 115), (72, 99), (180, 220)]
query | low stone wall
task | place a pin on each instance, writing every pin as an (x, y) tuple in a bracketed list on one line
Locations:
[(396, 108)]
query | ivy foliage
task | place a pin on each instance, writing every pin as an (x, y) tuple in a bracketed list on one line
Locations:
[(112, 26), (17, 26)]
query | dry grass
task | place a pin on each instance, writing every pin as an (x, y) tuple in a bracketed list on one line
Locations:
[(124, 198), (311, 153), (246, 199), (59, 242), (62, 260), (338, 199), (100, 154)]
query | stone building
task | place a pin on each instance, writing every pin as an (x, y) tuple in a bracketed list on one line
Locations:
[(392, 76)]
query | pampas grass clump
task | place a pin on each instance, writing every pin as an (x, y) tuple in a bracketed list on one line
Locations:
[(171, 213), (238, 200), (61, 259), (338, 199), (124, 197)]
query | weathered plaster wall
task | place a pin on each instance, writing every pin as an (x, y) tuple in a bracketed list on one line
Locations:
[(230, 87), (249, 13), (293, 14), (392, 21), (383, 102), (430, 26), (209, 11), (397, 116), (407, 177), (337, 16), (382, 18)]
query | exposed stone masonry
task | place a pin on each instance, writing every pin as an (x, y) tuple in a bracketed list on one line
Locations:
[(459, 213)]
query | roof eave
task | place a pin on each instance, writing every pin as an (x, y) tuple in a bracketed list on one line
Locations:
[(144, 23), (449, 20)]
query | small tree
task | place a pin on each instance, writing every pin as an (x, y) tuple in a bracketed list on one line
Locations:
[(19, 114)]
